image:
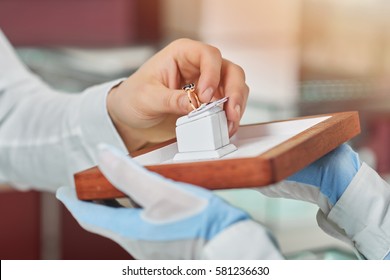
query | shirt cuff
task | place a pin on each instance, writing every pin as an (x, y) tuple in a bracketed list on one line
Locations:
[(243, 240), (96, 124), (363, 213)]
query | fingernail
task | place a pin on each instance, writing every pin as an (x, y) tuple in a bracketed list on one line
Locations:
[(237, 108), (230, 126), (207, 94)]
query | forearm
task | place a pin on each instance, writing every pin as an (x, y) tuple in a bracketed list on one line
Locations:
[(45, 135), (48, 136)]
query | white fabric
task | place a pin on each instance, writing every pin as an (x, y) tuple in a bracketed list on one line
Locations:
[(246, 240), (362, 214), (46, 135), (297, 191), (170, 201), (178, 221)]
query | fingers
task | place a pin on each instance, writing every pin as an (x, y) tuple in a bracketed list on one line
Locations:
[(113, 223), (86, 213), (66, 195), (128, 176), (161, 199), (186, 61), (178, 102), (217, 78), (236, 89), (168, 101), (198, 62), (210, 73)]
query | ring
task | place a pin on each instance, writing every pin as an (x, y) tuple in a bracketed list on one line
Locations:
[(192, 96)]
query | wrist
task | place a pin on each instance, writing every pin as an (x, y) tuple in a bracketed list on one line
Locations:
[(129, 135), (361, 214)]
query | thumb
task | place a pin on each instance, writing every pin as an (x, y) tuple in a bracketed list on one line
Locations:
[(161, 199), (172, 101)]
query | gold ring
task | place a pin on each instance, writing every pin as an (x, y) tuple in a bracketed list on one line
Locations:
[(192, 96)]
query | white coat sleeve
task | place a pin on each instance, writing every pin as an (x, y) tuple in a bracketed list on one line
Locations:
[(362, 215), (246, 240), (45, 135)]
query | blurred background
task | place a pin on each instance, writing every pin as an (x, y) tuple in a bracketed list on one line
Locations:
[(301, 57)]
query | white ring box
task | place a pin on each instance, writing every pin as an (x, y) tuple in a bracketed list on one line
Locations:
[(204, 136)]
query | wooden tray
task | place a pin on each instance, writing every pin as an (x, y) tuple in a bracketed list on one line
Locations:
[(267, 153)]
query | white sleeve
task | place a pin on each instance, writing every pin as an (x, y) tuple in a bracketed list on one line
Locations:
[(255, 243), (362, 215), (45, 135)]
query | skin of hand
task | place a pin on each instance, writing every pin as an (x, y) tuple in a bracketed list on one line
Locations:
[(144, 108)]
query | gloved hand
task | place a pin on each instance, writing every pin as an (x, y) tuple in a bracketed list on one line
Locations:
[(353, 200), (322, 182), (176, 221)]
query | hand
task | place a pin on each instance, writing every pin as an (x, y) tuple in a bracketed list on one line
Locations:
[(144, 108), (176, 221), (322, 182), (361, 215)]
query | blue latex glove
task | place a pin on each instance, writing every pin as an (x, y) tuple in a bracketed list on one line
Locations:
[(322, 182), (363, 226), (176, 221), (332, 173)]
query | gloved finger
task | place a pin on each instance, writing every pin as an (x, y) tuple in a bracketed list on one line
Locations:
[(162, 199), (95, 217)]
